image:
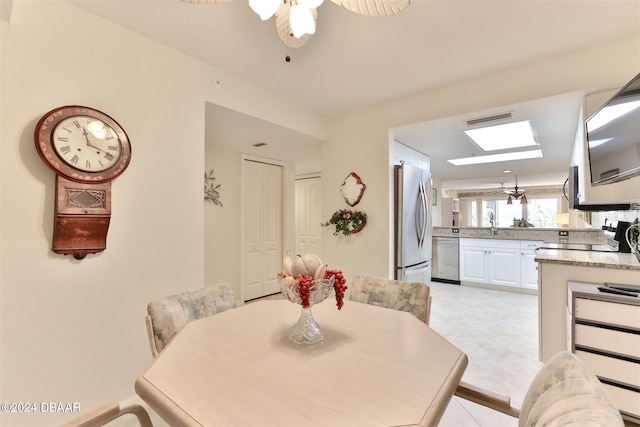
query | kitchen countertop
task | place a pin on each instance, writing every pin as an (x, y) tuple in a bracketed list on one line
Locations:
[(613, 260), (550, 235)]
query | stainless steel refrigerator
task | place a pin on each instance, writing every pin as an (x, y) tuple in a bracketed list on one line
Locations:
[(412, 223)]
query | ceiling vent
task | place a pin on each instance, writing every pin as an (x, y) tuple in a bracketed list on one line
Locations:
[(488, 119)]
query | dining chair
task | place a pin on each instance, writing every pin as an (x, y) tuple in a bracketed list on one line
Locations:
[(167, 316), (564, 393), (412, 297), (109, 412)]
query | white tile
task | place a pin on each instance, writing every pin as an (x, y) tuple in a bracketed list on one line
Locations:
[(498, 330)]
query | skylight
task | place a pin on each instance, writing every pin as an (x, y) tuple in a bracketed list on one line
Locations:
[(492, 158), (503, 137)]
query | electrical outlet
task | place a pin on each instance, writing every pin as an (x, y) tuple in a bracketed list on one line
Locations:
[(563, 233), (455, 230)]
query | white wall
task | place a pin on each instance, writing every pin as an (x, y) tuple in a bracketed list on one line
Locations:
[(73, 331), (222, 250), (366, 131)]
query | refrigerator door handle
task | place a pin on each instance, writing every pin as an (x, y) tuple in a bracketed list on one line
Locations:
[(425, 212), (421, 215)]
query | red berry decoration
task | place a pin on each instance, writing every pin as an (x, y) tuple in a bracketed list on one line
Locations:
[(339, 285), (304, 285)]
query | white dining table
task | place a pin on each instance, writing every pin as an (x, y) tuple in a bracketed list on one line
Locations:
[(375, 367)]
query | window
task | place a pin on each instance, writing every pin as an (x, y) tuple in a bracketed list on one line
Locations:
[(540, 213)]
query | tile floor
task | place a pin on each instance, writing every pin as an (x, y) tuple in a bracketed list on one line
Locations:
[(498, 331)]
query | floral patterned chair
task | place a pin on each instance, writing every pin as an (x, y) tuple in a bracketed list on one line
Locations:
[(166, 316), (564, 393), (395, 294)]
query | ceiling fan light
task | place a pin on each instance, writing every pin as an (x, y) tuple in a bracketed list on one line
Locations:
[(311, 4), (265, 8), (301, 21), (523, 201), (509, 201)]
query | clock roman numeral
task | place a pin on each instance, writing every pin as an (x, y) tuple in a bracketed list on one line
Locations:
[(113, 148), (67, 129), (77, 123), (75, 159), (108, 156), (110, 137), (63, 139), (87, 164), (65, 149)]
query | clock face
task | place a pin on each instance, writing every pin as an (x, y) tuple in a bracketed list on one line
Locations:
[(82, 144), (86, 143)]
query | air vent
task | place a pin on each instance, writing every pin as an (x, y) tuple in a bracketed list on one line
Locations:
[(259, 144), (488, 119)]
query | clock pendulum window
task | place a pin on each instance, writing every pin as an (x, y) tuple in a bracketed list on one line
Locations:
[(86, 149)]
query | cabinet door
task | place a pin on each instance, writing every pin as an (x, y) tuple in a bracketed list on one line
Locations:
[(504, 267), (528, 270), (473, 264)]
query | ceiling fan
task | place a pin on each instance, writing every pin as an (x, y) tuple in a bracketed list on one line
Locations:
[(296, 20), (501, 190), (515, 193)]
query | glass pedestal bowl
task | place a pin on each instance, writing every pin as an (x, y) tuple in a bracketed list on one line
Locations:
[(306, 330)]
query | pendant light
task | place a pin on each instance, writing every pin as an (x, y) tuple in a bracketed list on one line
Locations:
[(516, 195)]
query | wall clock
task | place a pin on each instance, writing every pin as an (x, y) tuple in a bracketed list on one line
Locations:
[(86, 149)]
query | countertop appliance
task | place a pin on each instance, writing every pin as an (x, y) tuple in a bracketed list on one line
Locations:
[(412, 223), (445, 261)]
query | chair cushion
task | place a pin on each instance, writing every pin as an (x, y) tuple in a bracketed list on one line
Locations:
[(394, 294), (566, 393), (170, 314)]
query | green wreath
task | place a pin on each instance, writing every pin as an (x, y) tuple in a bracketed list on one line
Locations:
[(347, 222)]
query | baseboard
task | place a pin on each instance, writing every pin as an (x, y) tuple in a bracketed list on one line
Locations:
[(513, 289)]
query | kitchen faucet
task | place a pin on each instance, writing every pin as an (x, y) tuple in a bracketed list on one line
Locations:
[(494, 231)]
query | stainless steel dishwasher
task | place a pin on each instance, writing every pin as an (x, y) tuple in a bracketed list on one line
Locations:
[(445, 264)]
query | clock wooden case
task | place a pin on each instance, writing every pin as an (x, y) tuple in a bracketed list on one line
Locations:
[(86, 149)]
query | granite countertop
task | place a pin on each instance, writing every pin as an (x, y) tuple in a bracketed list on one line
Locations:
[(614, 260), (550, 235)]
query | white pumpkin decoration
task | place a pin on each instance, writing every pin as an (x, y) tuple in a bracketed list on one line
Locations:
[(320, 272), (287, 263), (307, 265)]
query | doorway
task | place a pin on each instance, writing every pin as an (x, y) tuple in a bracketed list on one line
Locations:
[(262, 201), (308, 195)]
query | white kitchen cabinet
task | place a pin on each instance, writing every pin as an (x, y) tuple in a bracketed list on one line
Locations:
[(490, 261), (473, 264), (528, 265)]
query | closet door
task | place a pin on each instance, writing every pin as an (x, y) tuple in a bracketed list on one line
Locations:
[(308, 198), (263, 211)]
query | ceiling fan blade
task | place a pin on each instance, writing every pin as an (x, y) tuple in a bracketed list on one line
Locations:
[(206, 1), (284, 31), (374, 7)]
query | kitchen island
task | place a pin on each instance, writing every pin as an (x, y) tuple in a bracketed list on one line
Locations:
[(558, 267)]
